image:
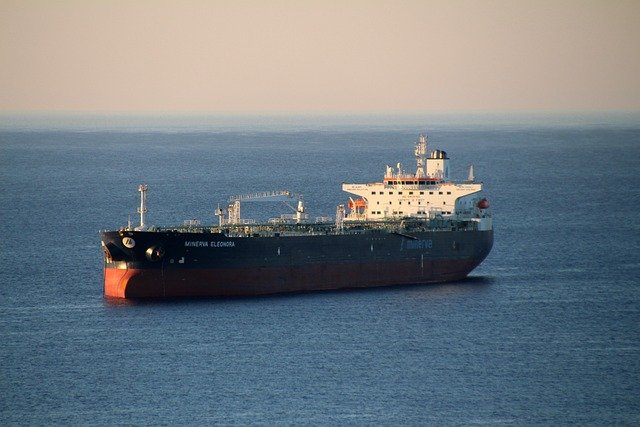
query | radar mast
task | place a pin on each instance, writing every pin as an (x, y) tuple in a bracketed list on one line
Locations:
[(421, 156)]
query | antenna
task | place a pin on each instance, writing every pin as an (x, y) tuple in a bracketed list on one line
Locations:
[(143, 204)]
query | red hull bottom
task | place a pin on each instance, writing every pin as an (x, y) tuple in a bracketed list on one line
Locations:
[(153, 283)]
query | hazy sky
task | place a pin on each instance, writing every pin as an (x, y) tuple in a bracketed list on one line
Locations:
[(318, 56)]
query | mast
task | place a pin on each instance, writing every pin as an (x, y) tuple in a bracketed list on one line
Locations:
[(143, 203), (421, 156)]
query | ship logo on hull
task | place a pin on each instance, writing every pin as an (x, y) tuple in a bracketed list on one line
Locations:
[(128, 242)]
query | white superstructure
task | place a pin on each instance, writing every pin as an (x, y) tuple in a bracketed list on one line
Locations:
[(426, 193)]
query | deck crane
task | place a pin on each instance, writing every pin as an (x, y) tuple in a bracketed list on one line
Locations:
[(233, 209)]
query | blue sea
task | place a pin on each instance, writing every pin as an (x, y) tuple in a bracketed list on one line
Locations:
[(545, 332)]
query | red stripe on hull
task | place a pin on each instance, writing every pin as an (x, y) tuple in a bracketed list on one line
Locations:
[(151, 283)]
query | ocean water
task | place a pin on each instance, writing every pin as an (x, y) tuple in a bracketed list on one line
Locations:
[(546, 331)]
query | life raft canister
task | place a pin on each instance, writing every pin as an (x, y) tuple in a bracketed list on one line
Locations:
[(483, 204)]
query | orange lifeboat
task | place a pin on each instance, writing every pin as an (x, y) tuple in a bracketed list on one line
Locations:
[(357, 204)]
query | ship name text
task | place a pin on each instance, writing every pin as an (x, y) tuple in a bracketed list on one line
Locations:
[(207, 244)]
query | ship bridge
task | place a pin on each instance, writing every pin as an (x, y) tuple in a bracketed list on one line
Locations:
[(426, 193)]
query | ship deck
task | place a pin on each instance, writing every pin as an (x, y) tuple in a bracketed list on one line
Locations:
[(404, 226)]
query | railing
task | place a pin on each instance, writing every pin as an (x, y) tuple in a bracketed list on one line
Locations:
[(260, 195)]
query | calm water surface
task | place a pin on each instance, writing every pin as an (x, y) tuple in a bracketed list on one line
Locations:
[(545, 331)]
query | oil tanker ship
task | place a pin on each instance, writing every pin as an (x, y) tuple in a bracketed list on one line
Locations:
[(411, 228)]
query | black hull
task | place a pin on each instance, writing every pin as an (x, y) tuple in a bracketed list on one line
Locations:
[(176, 264)]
